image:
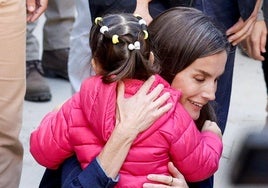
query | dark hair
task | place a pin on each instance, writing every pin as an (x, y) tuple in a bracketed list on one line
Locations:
[(181, 35), (116, 59)]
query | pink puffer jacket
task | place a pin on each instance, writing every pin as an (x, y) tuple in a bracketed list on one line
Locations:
[(85, 122)]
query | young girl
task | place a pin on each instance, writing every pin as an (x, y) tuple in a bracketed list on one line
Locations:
[(121, 51)]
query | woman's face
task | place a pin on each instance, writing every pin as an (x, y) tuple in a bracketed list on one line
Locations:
[(198, 82)]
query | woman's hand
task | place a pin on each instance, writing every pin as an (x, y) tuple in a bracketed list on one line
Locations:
[(163, 181), (134, 115), (138, 112)]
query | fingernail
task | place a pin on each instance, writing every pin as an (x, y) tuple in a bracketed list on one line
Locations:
[(31, 8)]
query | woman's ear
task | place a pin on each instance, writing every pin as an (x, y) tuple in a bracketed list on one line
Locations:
[(151, 57)]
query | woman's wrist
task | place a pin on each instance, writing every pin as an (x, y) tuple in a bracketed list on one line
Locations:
[(116, 150), (126, 133)]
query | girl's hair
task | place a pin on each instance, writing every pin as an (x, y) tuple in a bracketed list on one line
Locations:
[(120, 46), (181, 35)]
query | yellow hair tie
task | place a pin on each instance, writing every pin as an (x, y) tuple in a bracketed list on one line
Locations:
[(137, 15), (115, 39), (97, 20), (145, 34)]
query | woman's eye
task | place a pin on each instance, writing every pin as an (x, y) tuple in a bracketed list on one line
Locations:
[(199, 79)]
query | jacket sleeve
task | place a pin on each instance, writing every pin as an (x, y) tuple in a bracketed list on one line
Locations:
[(49, 143), (92, 176), (196, 154)]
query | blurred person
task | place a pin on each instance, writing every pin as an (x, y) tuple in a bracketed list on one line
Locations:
[(256, 45), (12, 83), (79, 66), (265, 54), (56, 34)]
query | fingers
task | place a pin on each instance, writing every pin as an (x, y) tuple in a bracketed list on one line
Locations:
[(236, 27), (255, 53), (213, 127), (163, 179), (256, 42), (263, 42), (174, 171), (35, 8), (241, 35), (240, 31), (147, 85), (30, 5), (141, 110), (160, 104)]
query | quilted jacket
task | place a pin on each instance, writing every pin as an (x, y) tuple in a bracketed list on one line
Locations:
[(85, 122)]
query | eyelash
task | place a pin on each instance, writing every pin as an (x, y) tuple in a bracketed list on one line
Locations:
[(199, 80)]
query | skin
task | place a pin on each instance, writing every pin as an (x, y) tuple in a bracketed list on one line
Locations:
[(139, 111), (145, 109), (142, 8), (254, 45), (242, 29), (118, 145), (178, 180), (120, 141), (198, 82), (35, 9), (201, 75)]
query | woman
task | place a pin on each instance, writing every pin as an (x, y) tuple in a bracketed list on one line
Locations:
[(195, 69)]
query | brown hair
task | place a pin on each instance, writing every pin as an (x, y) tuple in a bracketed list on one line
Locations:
[(117, 60)]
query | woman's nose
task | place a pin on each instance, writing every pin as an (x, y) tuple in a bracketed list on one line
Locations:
[(209, 92)]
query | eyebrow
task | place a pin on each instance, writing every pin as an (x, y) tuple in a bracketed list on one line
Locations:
[(206, 73), (203, 72)]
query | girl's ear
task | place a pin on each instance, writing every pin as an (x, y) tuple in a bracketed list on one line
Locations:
[(95, 66), (93, 63), (151, 57)]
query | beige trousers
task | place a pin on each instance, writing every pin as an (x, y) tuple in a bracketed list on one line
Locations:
[(12, 89)]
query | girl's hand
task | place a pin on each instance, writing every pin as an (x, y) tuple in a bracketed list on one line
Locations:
[(213, 127), (163, 181), (138, 112)]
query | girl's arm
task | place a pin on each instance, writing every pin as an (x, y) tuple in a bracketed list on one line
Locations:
[(196, 154), (49, 143)]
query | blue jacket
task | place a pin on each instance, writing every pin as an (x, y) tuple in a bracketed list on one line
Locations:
[(226, 12), (70, 175)]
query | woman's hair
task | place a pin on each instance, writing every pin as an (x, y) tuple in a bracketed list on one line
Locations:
[(181, 35), (120, 46)]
